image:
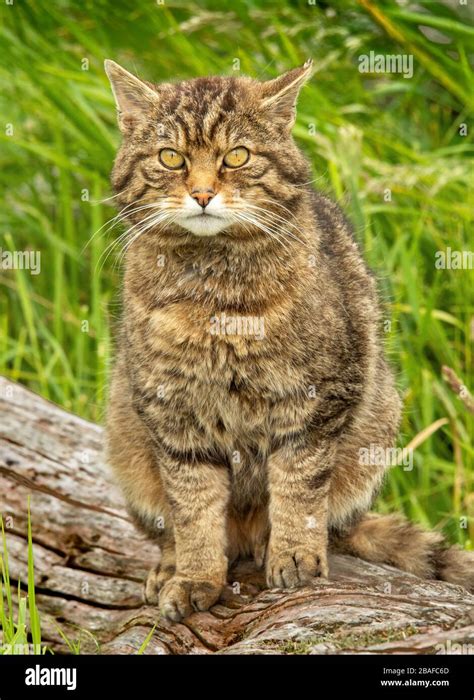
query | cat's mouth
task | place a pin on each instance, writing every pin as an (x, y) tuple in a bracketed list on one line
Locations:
[(204, 213), (204, 223)]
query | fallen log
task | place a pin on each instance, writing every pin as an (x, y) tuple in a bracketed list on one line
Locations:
[(90, 563)]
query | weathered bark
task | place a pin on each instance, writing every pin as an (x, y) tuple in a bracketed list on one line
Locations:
[(90, 563)]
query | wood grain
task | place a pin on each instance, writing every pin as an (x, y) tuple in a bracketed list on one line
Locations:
[(90, 563)]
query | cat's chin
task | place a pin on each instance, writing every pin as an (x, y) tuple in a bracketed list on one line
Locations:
[(204, 225)]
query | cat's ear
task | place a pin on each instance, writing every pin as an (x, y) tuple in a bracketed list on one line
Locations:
[(133, 97), (280, 94)]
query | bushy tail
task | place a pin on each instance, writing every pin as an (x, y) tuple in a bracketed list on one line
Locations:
[(391, 539)]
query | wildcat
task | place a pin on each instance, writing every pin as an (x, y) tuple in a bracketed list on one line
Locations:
[(229, 442)]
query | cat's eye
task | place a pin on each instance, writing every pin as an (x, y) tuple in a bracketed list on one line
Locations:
[(236, 157), (171, 159)]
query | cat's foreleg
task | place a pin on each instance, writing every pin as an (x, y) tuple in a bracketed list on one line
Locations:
[(162, 572), (299, 480), (198, 493)]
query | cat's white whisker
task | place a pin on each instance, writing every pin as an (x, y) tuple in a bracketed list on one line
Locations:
[(275, 216), (310, 182), (275, 225), (252, 219), (95, 202), (118, 218), (115, 243), (168, 218)]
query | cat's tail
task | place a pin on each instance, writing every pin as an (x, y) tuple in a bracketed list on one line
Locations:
[(391, 539)]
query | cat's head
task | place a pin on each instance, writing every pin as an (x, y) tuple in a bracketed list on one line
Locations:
[(208, 155)]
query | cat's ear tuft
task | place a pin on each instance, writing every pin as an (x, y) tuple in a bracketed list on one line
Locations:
[(133, 97), (280, 94)]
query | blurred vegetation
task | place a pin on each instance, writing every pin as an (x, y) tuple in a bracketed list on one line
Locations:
[(391, 150)]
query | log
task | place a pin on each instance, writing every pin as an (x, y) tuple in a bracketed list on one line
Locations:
[(90, 563)]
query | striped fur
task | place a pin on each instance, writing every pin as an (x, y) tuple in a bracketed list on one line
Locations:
[(230, 445)]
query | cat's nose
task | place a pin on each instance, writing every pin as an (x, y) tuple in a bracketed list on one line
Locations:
[(202, 197)]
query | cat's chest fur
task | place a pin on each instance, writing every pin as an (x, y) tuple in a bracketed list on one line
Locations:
[(239, 361), (236, 380), (228, 354)]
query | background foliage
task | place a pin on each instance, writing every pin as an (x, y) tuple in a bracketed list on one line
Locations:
[(363, 133)]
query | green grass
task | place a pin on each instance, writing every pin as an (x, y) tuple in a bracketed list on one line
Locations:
[(364, 134), (20, 625), (146, 641)]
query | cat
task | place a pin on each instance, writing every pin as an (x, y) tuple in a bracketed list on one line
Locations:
[(250, 374)]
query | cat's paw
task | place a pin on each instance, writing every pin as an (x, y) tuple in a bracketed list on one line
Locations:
[(294, 568), (156, 579), (181, 596)]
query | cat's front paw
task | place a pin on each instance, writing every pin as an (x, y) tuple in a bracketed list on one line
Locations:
[(156, 579), (181, 596), (295, 568)]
